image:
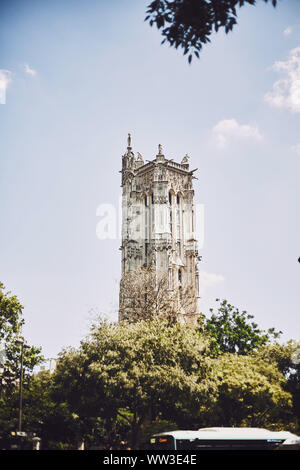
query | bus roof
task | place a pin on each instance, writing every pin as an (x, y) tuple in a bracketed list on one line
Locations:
[(217, 433)]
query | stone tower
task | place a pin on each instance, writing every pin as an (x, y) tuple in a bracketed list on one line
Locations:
[(158, 223)]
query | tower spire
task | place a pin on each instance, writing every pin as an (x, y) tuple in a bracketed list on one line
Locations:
[(160, 156), (129, 142)]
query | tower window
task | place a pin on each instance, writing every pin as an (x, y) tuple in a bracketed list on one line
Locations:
[(179, 275), (146, 219), (171, 221), (170, 212), (152, 214), (178, 222)]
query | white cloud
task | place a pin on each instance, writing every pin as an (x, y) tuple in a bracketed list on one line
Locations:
[(207, 280), (296, 148), (228, 129), (286, 91), (288, 31), (29, 70), (5, 79)]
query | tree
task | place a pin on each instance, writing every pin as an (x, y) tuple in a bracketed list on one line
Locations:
[(50, 419), (138, 372), (133, 376), (11, 322), (146, 294), (233, 331), (189, 23), (286, 357), (127, 380), (44, 415), (251, 392)]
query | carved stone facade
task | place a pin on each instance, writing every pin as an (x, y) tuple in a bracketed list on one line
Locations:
[(158, 222)]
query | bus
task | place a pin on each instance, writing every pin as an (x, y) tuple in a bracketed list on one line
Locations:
[(221, 438)]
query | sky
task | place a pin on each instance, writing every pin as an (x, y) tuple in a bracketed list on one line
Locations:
[(75, 78)]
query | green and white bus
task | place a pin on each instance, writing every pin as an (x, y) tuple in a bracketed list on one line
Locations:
[(220, 438)]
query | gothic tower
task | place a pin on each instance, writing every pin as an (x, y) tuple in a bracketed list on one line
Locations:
[(158, 223)]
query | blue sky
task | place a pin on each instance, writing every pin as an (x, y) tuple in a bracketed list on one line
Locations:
[(77, 77)]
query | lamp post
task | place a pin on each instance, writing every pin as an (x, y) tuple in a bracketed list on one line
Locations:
[(23, 346)]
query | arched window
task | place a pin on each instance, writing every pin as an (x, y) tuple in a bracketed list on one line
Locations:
[(171, 212), (152, 213), (146, 225), (146, 218), (178, 217)]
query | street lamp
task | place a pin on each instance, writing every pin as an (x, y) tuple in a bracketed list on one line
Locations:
[(21, 341)]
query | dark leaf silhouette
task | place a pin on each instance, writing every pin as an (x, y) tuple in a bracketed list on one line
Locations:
[(189, 23)]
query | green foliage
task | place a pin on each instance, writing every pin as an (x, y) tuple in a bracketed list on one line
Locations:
[(234, 331), (9, 407), (149, 369), (129, 380), (10, 316), (251, 392), (136, 376), (188, 24), (286, 357), (51, 420), (279, 354), (11, 322)]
